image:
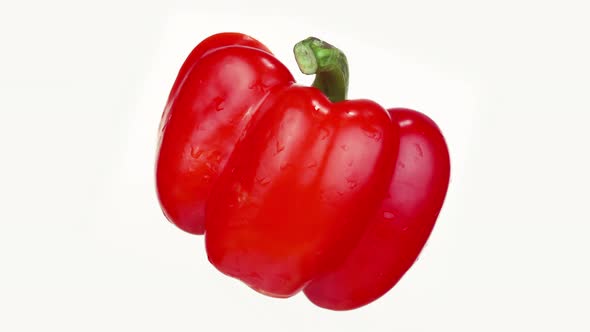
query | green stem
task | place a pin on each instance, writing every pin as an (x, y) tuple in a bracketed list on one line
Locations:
[(328, 63)]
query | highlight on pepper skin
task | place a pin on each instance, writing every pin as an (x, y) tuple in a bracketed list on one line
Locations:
[(297, 188)]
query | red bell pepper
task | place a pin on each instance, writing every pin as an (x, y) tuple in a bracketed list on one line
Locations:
[(297, 188)]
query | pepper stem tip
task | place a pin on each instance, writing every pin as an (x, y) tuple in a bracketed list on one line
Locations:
[(328, 63)]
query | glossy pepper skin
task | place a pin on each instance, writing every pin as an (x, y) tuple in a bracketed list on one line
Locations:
[(402, 224), (209, 106), (296, 188), (299, 189)]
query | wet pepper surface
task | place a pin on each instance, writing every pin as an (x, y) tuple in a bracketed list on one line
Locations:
[(297, 188)]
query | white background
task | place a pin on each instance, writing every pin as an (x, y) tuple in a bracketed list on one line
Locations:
[(84, 246)]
